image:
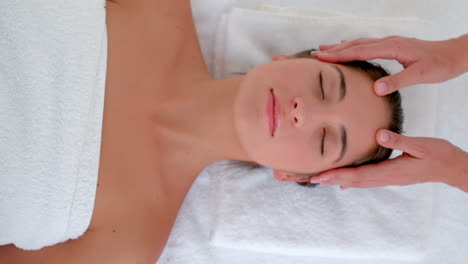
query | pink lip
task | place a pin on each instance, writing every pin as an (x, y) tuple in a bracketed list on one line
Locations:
[(273, 112)]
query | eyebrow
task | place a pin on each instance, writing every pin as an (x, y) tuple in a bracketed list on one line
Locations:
[(342, 83), (344, 143), (321, 83)]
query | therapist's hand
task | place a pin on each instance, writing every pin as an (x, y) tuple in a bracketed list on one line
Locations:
[(423, 160), (424, 61)]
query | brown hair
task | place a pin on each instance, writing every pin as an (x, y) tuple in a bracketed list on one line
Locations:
[(375, 72)]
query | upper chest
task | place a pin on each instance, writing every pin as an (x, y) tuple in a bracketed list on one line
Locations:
[(147, 57)]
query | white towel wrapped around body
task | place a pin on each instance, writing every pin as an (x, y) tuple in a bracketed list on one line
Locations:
[(254, 212), (53, 57)]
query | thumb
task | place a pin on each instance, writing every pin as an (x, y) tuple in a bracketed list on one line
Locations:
[(414, 146), (392, 83)]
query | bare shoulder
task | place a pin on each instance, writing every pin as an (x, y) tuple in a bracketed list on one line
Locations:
[(163, 7), (92, 247), (157, 34), (157, 20)]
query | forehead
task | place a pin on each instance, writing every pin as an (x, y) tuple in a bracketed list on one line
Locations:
[(363, 114)]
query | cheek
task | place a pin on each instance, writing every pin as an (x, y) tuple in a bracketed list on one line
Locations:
[(290, 156)]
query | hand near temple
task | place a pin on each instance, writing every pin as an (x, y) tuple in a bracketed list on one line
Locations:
[(424, 61), (423, 160)]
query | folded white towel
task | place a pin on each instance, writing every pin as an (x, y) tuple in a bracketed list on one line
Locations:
[(254, 212), (52, 77)]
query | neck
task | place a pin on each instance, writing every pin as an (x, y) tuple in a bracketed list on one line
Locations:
[(199, 119)]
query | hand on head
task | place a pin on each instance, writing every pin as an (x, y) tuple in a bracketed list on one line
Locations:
[(423, 160), (424, 61)]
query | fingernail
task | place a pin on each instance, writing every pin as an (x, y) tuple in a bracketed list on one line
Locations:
[(324, 178), (302, 180), (381, 88), (319, 179), (315, 53), (315, 180), (384, 137), (323, 54)]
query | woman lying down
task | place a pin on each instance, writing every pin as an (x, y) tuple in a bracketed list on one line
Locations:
[(166, 118)]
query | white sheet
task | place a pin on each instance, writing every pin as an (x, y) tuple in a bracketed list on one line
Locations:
[(189, 241)]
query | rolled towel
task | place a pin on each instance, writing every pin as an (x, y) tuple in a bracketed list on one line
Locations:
[(52, 83)]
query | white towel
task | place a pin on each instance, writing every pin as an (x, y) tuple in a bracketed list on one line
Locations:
[(254, 212), (52, 77)]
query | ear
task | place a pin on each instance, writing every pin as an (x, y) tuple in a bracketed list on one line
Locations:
[(290, 176), (277, 57)]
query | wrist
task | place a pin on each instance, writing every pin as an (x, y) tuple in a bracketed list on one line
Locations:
[(459, 178), (464, 174)]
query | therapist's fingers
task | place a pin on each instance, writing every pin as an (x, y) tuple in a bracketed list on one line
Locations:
[(289, 176), (323, 47), (359, 52), (365, 176), (403, 170), (344, 44), (414, 74), (339, 176), (423, 160), (415, 146), (424, 61), (388, 172), (351, 43)]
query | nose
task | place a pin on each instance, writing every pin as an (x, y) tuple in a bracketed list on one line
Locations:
[(303, 112), (297, 112)]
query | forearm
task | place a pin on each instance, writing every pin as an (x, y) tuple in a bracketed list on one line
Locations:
[(462, 51), (459, 174), (464, 174)]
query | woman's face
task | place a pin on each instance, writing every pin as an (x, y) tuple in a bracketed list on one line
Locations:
[(314, 131)]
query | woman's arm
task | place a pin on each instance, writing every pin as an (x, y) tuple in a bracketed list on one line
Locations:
[(92, 247)]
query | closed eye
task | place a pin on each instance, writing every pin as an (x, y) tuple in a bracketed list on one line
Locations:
[(322, 148), (321, 85)]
